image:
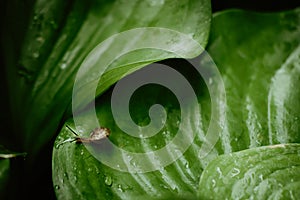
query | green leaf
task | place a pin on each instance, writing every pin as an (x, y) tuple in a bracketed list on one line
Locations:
[(77, 174), (4, 175), (253, 52), (61, 34), (270, 172), (5, 169), (258, 57)]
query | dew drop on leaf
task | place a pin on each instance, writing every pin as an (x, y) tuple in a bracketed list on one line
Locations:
[(108, 181), (133, 163), (35, 55), (219, 172), (63, 66), (235, 172), (120, 188), (75, 179), (66, 175), (187, 166), (40, 39), (261, 177), (213, 182)]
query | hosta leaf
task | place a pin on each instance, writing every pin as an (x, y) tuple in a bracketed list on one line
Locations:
[(60, 35), (77, 174), (270, 172), (258, 56)]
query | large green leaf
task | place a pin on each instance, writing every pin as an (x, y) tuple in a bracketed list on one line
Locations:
[(271, 172), (60, 35), (254, 52), (258, 56), (77, 174)]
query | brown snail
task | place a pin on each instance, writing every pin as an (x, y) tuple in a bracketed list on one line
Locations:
[(96, 135)]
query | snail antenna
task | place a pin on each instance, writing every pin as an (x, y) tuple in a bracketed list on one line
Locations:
[(71, 130)]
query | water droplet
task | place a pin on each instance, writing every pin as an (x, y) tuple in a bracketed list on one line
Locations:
[(36, 17), (220, 172), (81, 153), (56, 187), (63, 66), (210, 81), (89, 169), (40, 39), (261, 177), (187, 165), (175, 189), (108, 180), (35, 55), (133, 163), (66, 175), (120, 188), (164, 186), (156, 2), (155, 146), (213, 182), (234, 172), (75, 178)]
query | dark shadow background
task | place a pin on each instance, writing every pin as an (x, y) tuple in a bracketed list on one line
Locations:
[(43, 189), (255, 5)]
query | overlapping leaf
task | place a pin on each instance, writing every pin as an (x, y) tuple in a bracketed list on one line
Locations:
[(258, 56), (270, 172), (59, 36)]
